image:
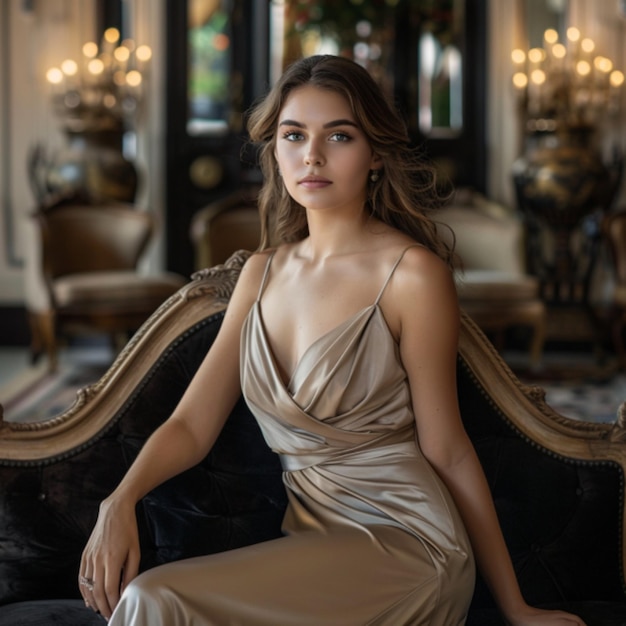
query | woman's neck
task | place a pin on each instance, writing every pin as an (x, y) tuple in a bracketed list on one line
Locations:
[(335, 235)]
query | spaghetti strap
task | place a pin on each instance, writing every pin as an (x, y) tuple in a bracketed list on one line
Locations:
[(393, 269), (265, 275)]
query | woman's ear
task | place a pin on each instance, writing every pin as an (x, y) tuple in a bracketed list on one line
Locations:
[(376, 163)]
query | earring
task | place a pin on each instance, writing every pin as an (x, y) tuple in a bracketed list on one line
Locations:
[(374, 176)]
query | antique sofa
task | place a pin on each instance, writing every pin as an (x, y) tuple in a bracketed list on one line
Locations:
[(558, 484)]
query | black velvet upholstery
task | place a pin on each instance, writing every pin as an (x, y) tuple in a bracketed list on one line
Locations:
[(561, 518), (233, 498), (49, 612)]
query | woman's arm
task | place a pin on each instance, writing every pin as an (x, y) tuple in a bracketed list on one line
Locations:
[(111, 557), (423, 301)]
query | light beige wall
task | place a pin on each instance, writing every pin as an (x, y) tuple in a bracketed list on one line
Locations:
[(148, 27), (53, 31), (505, 29)]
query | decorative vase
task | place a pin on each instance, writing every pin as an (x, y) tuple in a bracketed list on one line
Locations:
[(561, 177), (92, 166), (559, 181)]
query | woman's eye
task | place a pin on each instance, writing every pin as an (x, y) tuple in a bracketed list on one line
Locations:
[(292, 135), (340, 137)]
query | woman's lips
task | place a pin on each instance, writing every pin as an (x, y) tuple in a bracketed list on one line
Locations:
[(314, 182)]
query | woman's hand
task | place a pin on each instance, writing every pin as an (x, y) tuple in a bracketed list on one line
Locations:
[(111, 557), (538, 617)]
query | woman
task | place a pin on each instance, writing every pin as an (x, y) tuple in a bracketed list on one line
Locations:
[(343, 340)]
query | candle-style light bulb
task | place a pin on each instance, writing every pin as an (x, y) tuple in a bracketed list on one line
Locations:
[(69, 67), (573, 34), (583, 68), (54, 76), (144, 53), (121, 54), (90, 50), (588, 45), (518, 56), (551, 36), (111, 35), (538, 77), (603, 64), (520, 80), (95, 67), (133, 78), (616, 78)]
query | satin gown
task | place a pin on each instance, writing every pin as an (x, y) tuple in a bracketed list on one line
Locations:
[(372, 536)]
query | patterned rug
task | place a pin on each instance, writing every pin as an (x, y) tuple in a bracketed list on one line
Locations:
[(587, 400), (36, 394), (576, 385)]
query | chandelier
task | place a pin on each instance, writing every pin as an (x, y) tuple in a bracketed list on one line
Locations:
[(103, 90), (566, 84)]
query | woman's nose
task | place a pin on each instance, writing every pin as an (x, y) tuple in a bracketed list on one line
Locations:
[(313, 156)]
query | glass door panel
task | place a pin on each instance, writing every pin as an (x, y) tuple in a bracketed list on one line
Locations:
[(209, 40), (440, 53)]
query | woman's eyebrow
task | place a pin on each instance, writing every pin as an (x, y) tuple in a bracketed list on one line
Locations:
[(333, 124)]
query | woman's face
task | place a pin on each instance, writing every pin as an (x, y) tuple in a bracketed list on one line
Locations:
[(323, 156)]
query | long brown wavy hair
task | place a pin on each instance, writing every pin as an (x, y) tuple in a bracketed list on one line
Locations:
[(406, 189)]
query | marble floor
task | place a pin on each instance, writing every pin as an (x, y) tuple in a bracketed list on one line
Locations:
[(13, 360)]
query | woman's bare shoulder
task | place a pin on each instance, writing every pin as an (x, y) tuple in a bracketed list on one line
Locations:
[(422, 279), (420, 265), (255, 267), (256, 264), (250, 278)]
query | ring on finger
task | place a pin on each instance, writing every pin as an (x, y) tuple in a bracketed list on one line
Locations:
[(86, 582)]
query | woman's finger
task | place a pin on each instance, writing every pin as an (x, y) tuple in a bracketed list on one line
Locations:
[(131, 567), (86, 584), (99, 593), (112, 585)]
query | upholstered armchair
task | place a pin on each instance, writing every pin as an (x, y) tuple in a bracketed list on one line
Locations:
[(225, 226), (558, 484), (89, 268), (494, 288)]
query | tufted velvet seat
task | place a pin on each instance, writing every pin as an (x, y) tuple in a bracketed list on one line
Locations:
[(558, 485)]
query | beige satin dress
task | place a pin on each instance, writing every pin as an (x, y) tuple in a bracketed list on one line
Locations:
[(372, 535)]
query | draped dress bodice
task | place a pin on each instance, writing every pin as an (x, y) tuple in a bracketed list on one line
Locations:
[(344, 428)]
